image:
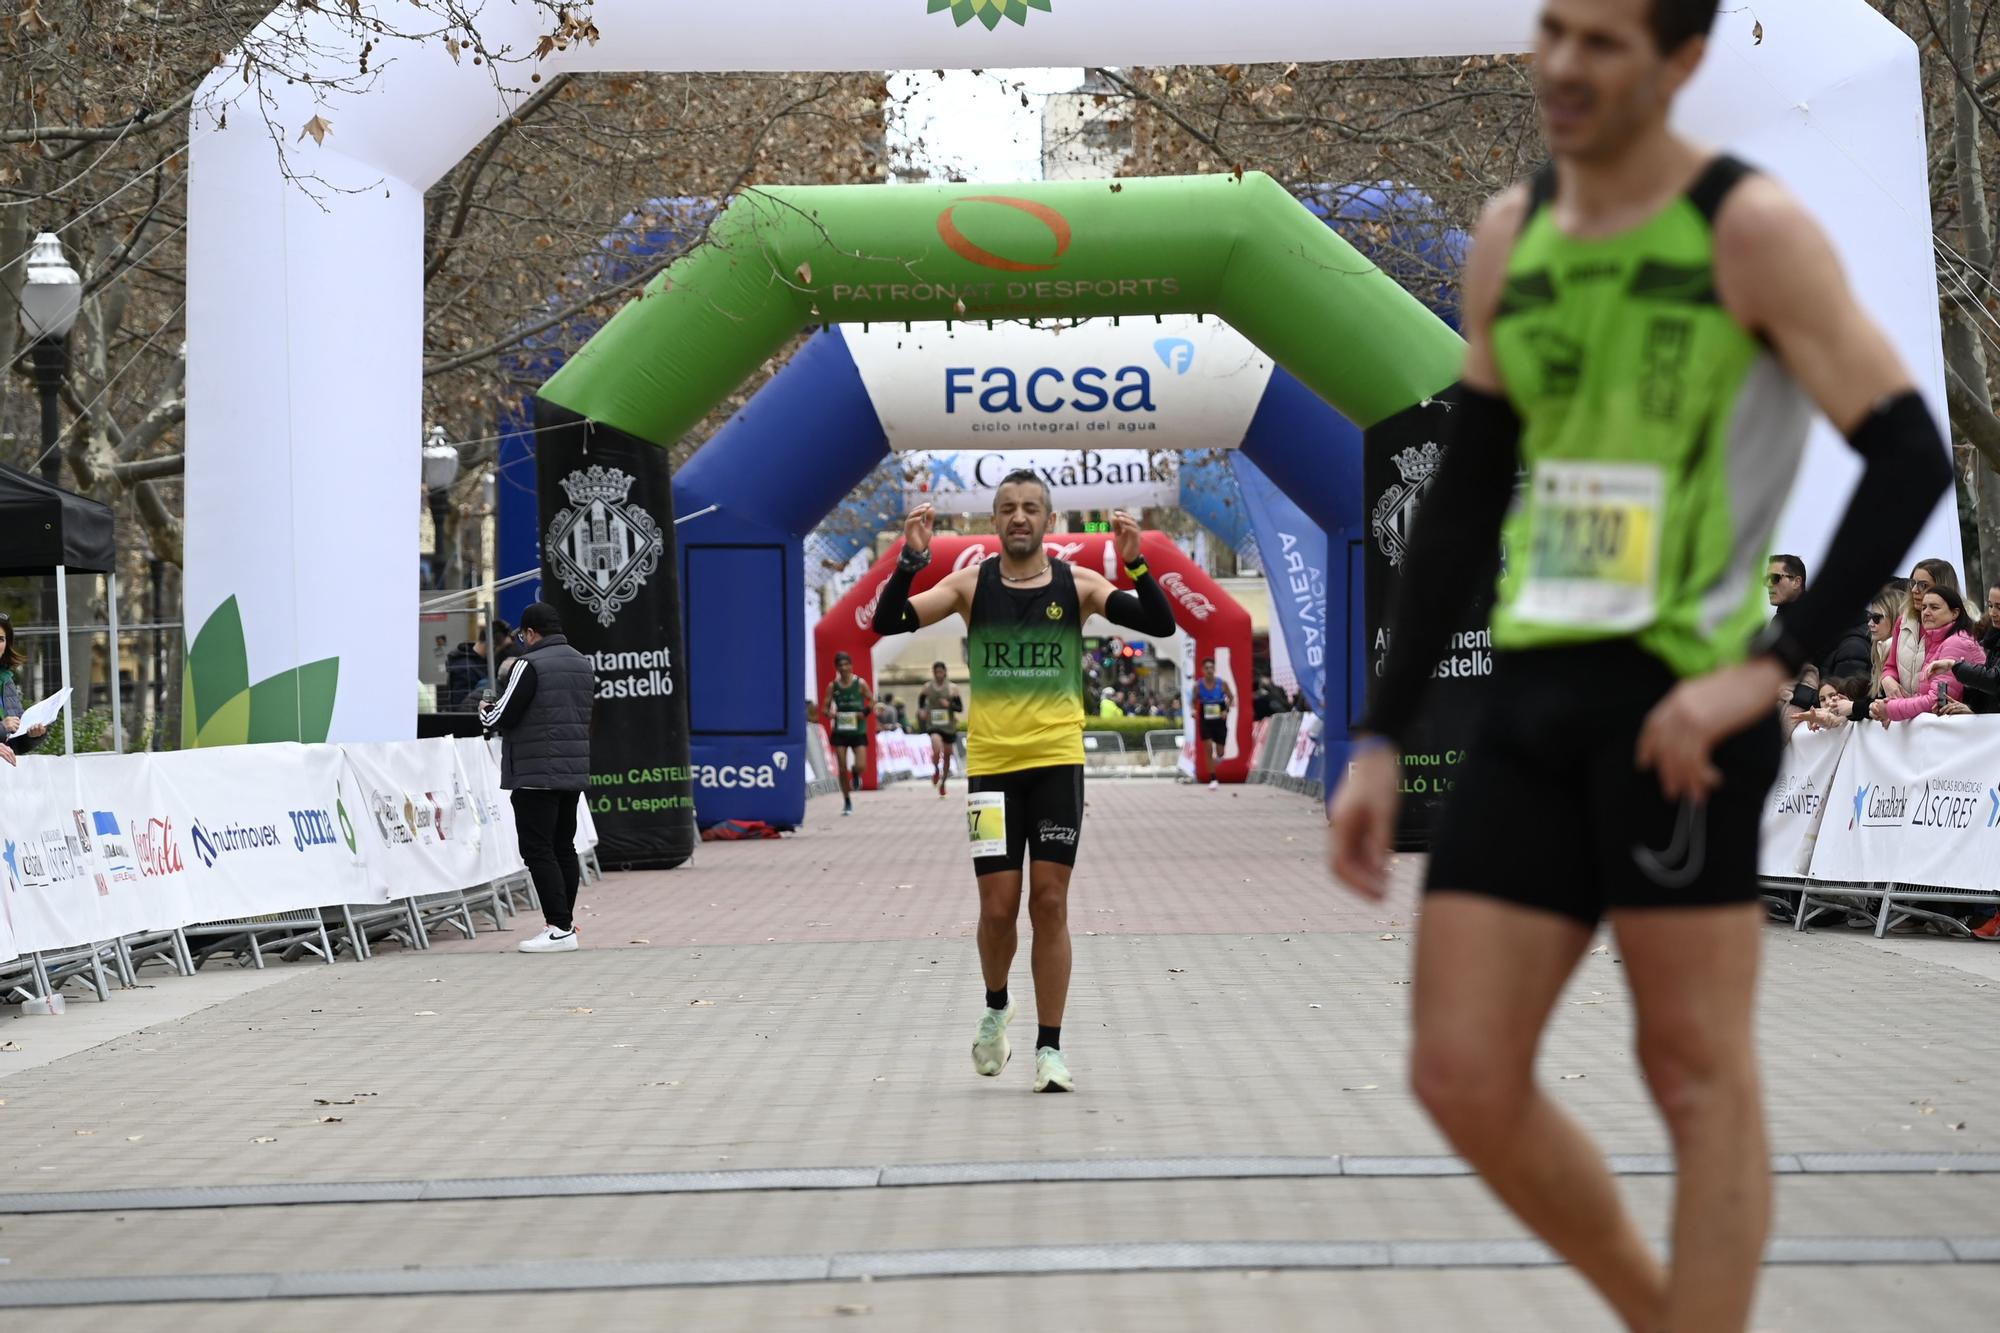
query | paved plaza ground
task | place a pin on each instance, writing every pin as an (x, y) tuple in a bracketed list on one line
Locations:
[(747, 1104)]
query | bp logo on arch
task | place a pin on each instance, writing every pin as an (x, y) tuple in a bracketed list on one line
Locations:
[(989, 12)]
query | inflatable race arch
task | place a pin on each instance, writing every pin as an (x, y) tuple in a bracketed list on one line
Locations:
[(305, 306), (779, 259)]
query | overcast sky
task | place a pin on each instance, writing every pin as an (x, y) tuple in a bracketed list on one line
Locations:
[(974, 124)]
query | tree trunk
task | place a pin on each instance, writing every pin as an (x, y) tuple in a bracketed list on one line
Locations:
[(1964, 344)]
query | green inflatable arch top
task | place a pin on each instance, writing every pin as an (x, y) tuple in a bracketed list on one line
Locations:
[(781, 258)]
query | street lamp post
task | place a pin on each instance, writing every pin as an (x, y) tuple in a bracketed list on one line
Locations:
[(440, 470), (51, 297)]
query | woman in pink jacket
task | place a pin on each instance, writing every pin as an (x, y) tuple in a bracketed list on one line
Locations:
[(1947, 640)]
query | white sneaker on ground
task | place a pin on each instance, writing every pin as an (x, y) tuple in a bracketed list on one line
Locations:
[(550, 940), (990, 1051), (1052, 1071), (1213, 784)]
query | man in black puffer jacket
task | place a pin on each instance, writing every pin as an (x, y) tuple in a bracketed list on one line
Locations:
[(543, 719)]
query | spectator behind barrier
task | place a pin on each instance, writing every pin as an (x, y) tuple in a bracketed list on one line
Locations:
[(1837, 700), (1885, 623), (12, 664), (1847, 655), (1909, 650), (466, 672), (1947, 641), (1982, 679)]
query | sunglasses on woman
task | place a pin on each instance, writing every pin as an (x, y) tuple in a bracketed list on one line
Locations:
[(1876, 617)]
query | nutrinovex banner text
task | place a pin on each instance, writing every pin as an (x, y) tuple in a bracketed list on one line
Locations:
[(609, 567)]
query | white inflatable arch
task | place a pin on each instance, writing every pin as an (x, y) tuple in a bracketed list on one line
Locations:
[(305, 312)]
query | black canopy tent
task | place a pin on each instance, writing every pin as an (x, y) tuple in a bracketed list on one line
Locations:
[(45, 529)]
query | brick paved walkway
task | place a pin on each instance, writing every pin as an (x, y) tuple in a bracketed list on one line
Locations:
[(807, 1003)]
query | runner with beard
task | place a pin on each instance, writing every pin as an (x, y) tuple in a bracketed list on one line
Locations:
[(1024, 744), (1649, 327)]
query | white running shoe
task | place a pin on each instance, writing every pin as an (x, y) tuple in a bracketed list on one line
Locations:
[(990, 1051), (1213, 784), (1052, 1071), (550, 940)]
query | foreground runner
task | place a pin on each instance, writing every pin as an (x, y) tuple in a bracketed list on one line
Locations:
[(940, 705), (1024, 747), (1214, 698), (847, 703), (1641, 323)]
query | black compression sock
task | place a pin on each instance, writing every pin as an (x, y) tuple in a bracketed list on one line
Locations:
[(1049, 1037), (996, 999)]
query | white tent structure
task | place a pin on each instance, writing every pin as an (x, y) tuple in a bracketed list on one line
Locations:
[(305, 301)]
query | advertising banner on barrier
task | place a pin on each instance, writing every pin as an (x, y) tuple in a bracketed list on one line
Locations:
[(418, 830), (1305, 749), (131, 843), (52, 899), (499, 849), (1798, 800), (251, 830), (1915, 803)]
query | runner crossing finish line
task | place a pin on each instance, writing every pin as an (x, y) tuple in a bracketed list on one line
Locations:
[(1648, 328), (1024, 744), (940, 706)]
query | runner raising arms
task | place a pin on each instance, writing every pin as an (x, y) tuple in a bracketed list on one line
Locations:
[(1648, 326), (940, 706), (846, 706), (1024, 745)]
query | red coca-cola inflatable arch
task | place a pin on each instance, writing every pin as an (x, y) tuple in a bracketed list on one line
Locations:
[(1215, 621)]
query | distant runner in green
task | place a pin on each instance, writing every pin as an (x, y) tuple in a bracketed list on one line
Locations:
[(1650, 326), (846, 705)]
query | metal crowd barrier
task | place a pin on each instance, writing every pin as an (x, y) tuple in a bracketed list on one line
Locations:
[(1809, 900)]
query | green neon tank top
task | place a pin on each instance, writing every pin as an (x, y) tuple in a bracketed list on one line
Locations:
[(1659, 439), (850, 703)]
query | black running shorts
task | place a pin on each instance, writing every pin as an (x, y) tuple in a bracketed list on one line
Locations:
[(1044, 815), (1551, 812), (1215, 729)]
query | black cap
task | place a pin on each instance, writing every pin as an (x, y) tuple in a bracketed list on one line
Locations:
[(541, 618)]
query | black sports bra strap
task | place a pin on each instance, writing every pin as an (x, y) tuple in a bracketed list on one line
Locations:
[(1712, 187)]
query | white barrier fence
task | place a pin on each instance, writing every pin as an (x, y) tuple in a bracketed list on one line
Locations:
[(1899, 815), (96, 848)]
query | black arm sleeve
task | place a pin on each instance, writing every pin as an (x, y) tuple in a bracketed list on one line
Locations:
[(893, 613), (1981, 676), (1145, 609), (512, 705), (1907, 472), (1453, 558)]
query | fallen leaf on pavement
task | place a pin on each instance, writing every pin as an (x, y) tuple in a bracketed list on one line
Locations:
[(1365, 1087), (581, 1010), (327, 1101), (701, 1004), (1387, 937), (265, 1138), (425, 1013), (330, 1119), (9, 1046), (853, 1309), (1571, 1076), (85, 1133), (1312, 1006), (134, 1138), (640, 941)]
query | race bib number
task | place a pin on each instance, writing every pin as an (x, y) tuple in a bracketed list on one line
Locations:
[(848, 722), (940, 717), (986, 823), (1594, 557), (1211, 711)]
